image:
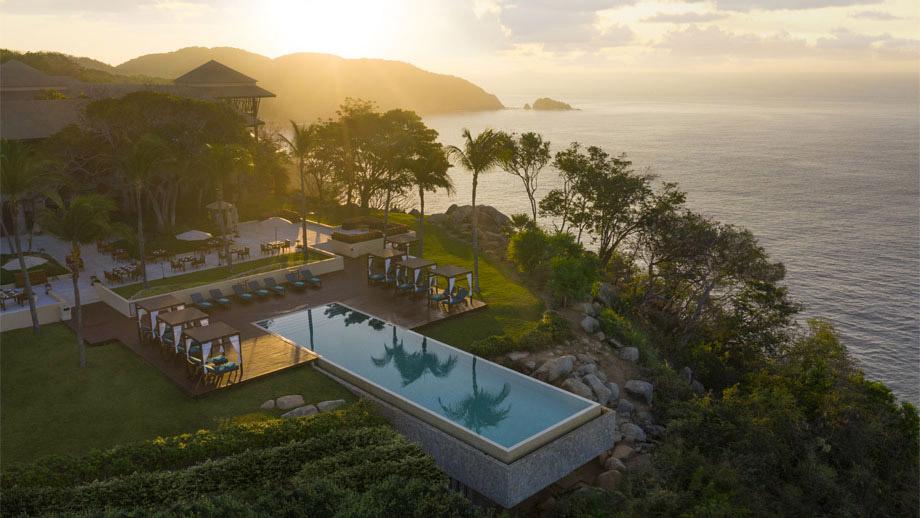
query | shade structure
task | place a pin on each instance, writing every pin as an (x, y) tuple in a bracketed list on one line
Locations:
[(194, 235), (30, 260), (386, 253), (451, 273), (178, 320), (148, 309), (210, 335)]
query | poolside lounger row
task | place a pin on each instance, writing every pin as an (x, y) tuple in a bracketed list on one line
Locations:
[(297, 281)]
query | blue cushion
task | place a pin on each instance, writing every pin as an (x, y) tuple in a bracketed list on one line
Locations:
[(218, 360), (376, 277)]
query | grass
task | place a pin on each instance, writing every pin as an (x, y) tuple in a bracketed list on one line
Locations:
[(512, 308), (52, 267), (201, 277), (51, 406)]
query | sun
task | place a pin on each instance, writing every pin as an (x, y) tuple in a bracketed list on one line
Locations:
[(349, 28)]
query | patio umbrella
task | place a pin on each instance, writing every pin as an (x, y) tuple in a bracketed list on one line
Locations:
[(276, 222), (31, 260), (194, 235)]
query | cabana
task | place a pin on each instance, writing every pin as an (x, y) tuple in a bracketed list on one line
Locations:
[(401, 242), (415, 265), (387, 254), (176, 321), (147, 311), (217, 334), (451, 273), (225, 210)]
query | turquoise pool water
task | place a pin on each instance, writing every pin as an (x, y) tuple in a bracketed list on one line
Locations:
[(486, 399)]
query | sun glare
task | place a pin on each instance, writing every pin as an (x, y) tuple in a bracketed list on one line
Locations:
[(353, 28)]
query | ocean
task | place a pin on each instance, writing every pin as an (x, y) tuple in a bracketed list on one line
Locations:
[(831, 189)]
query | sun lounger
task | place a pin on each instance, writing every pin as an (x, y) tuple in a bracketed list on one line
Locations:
[(217, 297), (201, 303), (311, 279), (258, 290), (242, 293), (295, 282), (270, 284), (459, 298)]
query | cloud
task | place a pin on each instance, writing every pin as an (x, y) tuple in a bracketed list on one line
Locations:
[(875, 15), (560, 27), (777, 5), (71, 7), (713, 41), (683, 17)]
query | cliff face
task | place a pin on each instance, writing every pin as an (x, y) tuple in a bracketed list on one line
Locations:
[(312, 85)]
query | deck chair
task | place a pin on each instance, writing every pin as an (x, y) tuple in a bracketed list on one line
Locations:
[(311, 279), (295, 282), (258, 290), (242, 293), (217, 297), (454, 300), (273, 286), (201, 303)]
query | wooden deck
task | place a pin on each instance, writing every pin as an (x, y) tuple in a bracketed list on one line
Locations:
[(263, 353)]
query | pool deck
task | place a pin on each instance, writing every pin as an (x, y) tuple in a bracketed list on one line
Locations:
[(263, 353)]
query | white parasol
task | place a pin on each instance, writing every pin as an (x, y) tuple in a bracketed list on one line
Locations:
[(194, 235)]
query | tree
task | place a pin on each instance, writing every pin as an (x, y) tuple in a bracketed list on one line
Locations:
[(480, 408), (402, 138), (429, 173), (137, 162), (223, 161), (85, 221), (23, 176), (478, 155), (526, 157), (301, 145)]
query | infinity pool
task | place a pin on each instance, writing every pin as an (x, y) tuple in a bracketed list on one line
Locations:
[(495, 409)]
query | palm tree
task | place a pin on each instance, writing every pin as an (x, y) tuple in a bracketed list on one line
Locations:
[(429, 173), (479, 409), (301, 144), (222, 161), (478, 155), (137, 162), (85, 221), (22, 177)]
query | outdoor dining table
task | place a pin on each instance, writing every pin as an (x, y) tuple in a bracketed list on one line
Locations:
[(13, 294)]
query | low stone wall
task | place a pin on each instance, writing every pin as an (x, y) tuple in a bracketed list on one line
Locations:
[(126, 307), (354, 249), (505, 484)]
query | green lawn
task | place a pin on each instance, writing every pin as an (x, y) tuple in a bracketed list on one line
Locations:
[(51, 406), (201, 277), (513, 308)]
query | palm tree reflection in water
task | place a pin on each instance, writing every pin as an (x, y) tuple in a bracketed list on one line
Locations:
[(479, 409), (412, 366)]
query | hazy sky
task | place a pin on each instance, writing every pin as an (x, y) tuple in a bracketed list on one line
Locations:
[(503, 45)]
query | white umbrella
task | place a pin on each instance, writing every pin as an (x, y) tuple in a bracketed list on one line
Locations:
[(194, 235), (31, 260), (277, 221)]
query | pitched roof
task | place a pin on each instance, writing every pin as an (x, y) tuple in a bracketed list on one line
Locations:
[(213, 73), (16, 74), (22, 120)]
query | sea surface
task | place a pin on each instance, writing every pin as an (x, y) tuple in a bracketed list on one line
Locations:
[(831, 189)]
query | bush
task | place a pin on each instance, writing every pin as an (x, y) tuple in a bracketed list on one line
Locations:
[(551, 330), (572, 277), (356, 238), (620, 328), (528, 250)]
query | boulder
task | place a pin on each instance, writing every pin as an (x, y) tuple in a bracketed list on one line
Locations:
[(588, 368), (629, 354), (597, 308), (290, 401), (686, 374), (614, 390), (491, 220), (640, 388), (437, 219), (586, 358), (555, 368), (590, 324), (644, 418), (625, 408), (529, 364), (614, 463), (517, 356), (655, 430), (326, 406), (602, 375), (608, 480), (632, 432), (588, 309), (622, 452), (575, 386), (301, 411), (597, 386), (600, 336), (614, 342), (606, 294), (268, 405)]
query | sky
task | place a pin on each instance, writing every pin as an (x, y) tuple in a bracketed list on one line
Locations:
[(507, 46)]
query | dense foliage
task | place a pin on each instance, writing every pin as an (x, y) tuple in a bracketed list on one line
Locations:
[(84, 69), (342, 464)]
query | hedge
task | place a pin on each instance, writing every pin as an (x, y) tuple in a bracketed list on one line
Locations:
[(356, 238), (183, 450)]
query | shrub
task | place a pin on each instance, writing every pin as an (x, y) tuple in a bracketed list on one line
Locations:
[(551, 329), (356, 238), (572, 277), (620, 328), (528, 250)]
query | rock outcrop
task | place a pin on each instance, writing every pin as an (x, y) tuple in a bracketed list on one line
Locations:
[(545, 103)]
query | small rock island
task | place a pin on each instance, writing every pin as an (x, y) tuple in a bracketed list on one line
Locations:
[(545, 103)]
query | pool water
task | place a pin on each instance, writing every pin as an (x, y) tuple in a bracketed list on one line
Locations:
[(486, 399)]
